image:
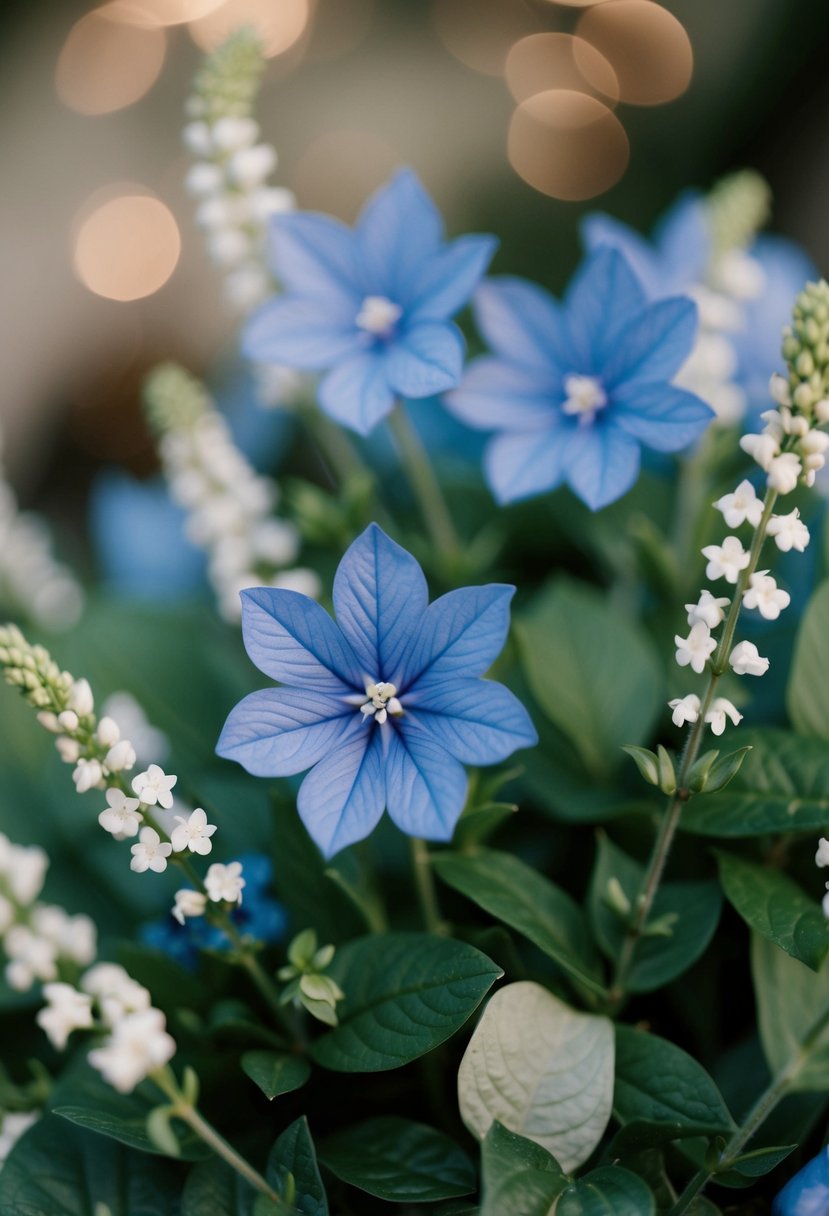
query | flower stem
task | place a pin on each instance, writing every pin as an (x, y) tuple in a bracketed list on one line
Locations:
[(336, 450), (425, 885), (673, 812), (425, 486)]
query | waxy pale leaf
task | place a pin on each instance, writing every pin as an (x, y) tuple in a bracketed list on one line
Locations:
[(793, 1015)]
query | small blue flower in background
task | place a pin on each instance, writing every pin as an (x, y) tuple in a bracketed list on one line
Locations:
[(385, 705), (807, 1194), (575, 388), (370, 305)]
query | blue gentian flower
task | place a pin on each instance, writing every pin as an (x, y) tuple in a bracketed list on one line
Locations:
[(372, 304), (575, 389), (385, 705), (807, 1194)]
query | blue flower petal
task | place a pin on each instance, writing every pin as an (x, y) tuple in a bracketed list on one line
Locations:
[(398, 228), (281, 731), (342, 798), (684, 243), (477, 721), (598, 229), (663, 417), (449, 278), (807, 1193), (518, 466), (304, 333), (357, 392), (426, 359), (654, 344), (292, 639), (461, 634), (523, 323), (425, 785), (602, 296), (315, 255), (602, 464), (380, 597), (495, 394)]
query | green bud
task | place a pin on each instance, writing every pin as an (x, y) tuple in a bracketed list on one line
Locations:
[(738, 207), (806, 346), (700, 770), (321, 1010), (667, 773), (726, 769), (646, 761), (303, 948), (228, 81), (616, 899), (173, 399), (662, 926), (323, 957), (160, 1131)]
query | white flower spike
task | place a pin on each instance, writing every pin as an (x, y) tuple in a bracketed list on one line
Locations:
[(747, 661), (696, 649)]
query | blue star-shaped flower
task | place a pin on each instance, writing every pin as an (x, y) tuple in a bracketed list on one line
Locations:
[(385, 705), (371, 304), (574, 389)]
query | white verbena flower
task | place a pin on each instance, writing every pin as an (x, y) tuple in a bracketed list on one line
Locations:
[(193, 833), (685, 709), (121, 757), (139, 1044), (764, 595), (789, 532), (108, 732), (784, 472), (31, 958), (115, 991), (720, 709), (87, 775), (67, 1010), (709, 610), (741, 506), (150, 853), (822, 854), (762, 448), (25, 873), (726, 560), (696, 649), (225, 882), (154, 787), (747, 661), (122, 817), (74, 937), (188, 903)]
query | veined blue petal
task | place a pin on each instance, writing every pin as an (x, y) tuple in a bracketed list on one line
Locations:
[(521, 465), (281, 731), (477, 721), (602, 464), (292, 639), (460, 634), (342, 798), (449, 278), (380, 598), (398, 229), (807, 1193), (495, 394), (301, 332), (315, 254), (357, 392), (523, 323), (426, 359), (659, 415), (598, 229), (654, 344), (603, 295), (425, 785)]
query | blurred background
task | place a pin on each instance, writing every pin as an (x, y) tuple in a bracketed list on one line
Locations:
[(519, 115)]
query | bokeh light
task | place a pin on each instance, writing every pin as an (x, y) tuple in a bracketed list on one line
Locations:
[(567, 144), (481, 32), (647, 46), (279, 23), (160, 12), (339, 26), (127, 246), (548, 61), (338, 171), (106, 64)]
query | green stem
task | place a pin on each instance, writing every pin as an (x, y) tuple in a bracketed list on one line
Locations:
[(670, 820), (335, 448), (425, 486), (425, 886)]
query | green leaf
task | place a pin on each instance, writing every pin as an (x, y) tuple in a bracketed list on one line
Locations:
[(541, 1069), (761, 1160), (292, 1168), (214, 1189), (772, 904), (275, 1072), (400, 1161), (684, 913), (60, 1170), (477, 825), (807, 696), (519, 896), (608, 1191), (404, 994), (781, 787), (661, 1089), (793, 1015), (594, 673), (724, 770), (520, 1178)]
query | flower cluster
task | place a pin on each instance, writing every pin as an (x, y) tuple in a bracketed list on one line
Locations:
[(230, 507)]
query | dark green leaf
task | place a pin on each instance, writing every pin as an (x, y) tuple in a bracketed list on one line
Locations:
[(761, 1160), (807, 696), (608, 1191), (275, 1072), (400, 1161), (292, 1167), (172, 987), (477, 825), (772, 904), (404, 994), (519, 896), (520, 1178), (214, 1189), (793, 1015)]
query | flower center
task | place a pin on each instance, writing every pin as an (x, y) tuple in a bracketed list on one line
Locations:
[(382, 701), (378, 316), (585, 396)]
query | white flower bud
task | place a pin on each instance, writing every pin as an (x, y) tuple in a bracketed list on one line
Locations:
[(69, 750), (230, 134), (784, 472), (81, 699), (68, 720), (108, 732), (197, 140), (120, 757), (249, 167), (762, 448), (204, 179)]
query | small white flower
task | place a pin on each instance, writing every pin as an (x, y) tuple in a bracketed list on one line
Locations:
[(825, 904), (225, 882), (80, 698), (26, 873), (726, 560), (193, 833), (122, 817), (196, 136), (230, 134), (121, 757), (74, 937), (740, 506), (789, 532), (779, 390), (49, 721), (764, 594), (66, 1011), (709, 610), (13, 1127), (116, 992), (696, 649), (203, 179), (784, 472), (150, 853), (153, 787), (721, 708), (822, 411), (108, 732), (249, 167), (69, 750), (822, 854), (746, 660), (87, 775), (32, 957), (68, 720), (685, 709), (137, 1046), (188, 903), (762, 448)]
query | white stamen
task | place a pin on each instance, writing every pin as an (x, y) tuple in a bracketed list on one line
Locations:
[(378, 315), (585, 396), (382, 701)]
